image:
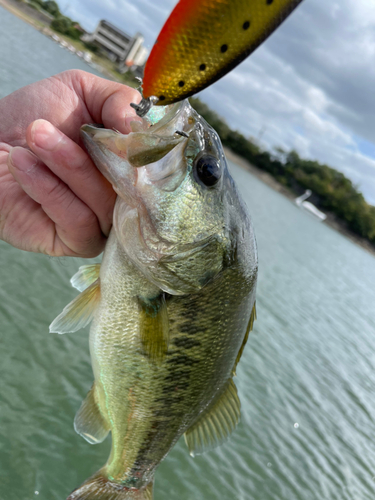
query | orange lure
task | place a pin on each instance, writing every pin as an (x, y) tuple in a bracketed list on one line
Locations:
[(203, 40)]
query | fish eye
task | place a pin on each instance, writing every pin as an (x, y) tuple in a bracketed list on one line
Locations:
[(207, 170)]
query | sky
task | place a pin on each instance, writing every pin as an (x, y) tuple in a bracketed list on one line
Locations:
[(310, 87)]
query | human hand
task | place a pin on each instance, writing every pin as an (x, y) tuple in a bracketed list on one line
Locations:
[(53, 199)]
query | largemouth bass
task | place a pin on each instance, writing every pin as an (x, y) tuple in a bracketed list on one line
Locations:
[(172, 302)]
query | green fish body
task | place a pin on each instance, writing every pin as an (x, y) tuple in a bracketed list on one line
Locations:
[(172, 302)]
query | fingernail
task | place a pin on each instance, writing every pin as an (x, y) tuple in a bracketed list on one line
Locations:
[(22, 159), (45, 135)]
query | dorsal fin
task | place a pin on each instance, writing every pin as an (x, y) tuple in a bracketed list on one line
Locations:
[(85, 276), (216, 424), (79, 312), (253, 317)]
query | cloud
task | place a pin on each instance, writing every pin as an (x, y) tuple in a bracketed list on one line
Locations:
[(308, 87), (145, 16)]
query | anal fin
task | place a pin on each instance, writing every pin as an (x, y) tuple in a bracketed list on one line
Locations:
[(89, 421), (154, 327), (79, 312), (216, 424)]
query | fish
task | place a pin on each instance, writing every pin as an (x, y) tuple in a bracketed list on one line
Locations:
[(202, 40), (171, 304)]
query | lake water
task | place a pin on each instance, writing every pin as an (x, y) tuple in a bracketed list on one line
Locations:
[(306, 379)]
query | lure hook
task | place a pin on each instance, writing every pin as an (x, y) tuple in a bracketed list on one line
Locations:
[(145, 105)]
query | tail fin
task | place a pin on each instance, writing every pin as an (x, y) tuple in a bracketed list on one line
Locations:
[(99, 487)]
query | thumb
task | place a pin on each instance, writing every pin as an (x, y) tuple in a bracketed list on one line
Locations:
[(107, 102)]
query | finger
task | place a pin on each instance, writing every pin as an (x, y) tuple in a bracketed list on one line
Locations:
[(74, 167), (109, 102), (3, 157), (76, 226), (5, 147), (4, 151)]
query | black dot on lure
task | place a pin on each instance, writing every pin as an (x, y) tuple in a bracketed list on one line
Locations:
[(207, 170), (202, 67), (181, 83), (224, 48), (246, 25), (161, 97), (269, 2)]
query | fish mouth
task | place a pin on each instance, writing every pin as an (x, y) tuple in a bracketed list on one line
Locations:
[(119, 156), (116, 154), (138, 148)]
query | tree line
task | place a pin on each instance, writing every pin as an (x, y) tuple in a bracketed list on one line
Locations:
[(62, 24), (332, 191)]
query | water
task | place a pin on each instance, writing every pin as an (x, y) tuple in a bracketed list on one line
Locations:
[(27, 56), (306, 379)]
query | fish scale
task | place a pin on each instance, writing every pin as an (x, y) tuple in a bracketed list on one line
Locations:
[(191, 319)]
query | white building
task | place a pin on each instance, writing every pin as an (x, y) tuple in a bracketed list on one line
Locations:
[(119, 47)]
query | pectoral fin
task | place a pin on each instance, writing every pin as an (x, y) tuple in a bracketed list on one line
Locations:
[(216, 424), (89, 422), (85, 276), (154, 327), (79, 312)]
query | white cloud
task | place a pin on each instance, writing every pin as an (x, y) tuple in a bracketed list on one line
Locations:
[(317, 99), (309, 87)]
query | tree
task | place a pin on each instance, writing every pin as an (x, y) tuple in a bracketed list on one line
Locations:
[(61, 24), (51, 7), (73, 32)]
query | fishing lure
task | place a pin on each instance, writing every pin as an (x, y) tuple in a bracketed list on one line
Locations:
[(203, 40)]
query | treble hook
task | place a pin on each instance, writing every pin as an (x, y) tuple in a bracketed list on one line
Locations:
[(145, 105)]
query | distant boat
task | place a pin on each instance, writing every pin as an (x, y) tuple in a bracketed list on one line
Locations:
[(306, 205)]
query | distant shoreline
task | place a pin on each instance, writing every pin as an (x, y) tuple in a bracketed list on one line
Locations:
[(27, 14), (38, 21), (267, 178), (20, 10)]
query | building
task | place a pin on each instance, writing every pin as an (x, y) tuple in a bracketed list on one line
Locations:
[(118, 46)]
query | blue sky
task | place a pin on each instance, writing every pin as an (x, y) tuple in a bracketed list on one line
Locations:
[(309, 87)]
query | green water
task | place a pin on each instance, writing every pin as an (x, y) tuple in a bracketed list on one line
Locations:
[(306, 379)]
